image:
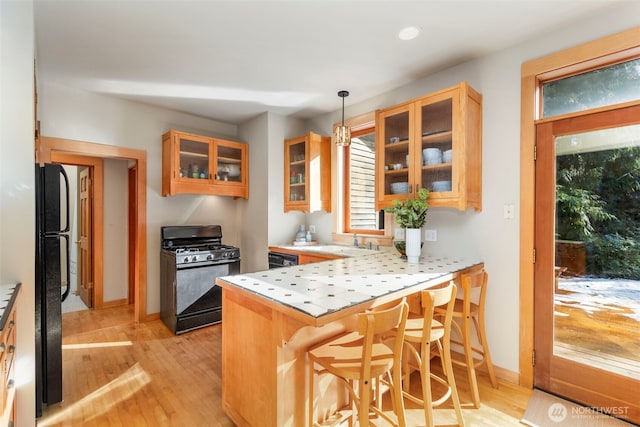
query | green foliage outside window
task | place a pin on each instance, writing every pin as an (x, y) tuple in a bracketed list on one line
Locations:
[(598, 202)]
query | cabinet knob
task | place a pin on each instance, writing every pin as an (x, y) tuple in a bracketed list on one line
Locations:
[(2, 348)]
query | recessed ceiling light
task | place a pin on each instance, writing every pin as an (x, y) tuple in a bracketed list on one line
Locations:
[(408, 33)]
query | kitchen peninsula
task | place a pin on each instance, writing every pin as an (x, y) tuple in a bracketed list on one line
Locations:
[(270, 318)]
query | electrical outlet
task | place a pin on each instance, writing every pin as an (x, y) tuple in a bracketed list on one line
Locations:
[(430, 235), (312, 228), (399, 234)]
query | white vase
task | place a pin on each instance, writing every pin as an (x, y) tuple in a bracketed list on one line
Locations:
[(413, 246)]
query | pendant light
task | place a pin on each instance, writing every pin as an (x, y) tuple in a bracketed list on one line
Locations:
[(342, 133)]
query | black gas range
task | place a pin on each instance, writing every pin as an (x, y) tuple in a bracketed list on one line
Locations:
[(191, 258)]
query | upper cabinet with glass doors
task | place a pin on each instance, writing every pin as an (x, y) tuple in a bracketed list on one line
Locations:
[(307, 173), (194, 164), (433, 142)]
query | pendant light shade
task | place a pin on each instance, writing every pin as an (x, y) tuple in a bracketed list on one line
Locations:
[(342, 133)]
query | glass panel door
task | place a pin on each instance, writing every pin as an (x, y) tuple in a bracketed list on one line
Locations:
[(587, 260), (194, 159), (437, 148), (229, 166), (297, 171), (397, 137)]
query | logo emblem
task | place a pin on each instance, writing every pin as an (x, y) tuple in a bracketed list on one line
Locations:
[(557, 412)]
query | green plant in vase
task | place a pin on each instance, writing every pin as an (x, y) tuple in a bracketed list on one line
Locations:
[(411, 215)]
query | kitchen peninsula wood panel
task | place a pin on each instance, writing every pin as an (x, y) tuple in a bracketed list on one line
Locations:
[(271, 318)]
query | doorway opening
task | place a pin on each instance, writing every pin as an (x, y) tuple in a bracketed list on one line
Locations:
[(64, 151)]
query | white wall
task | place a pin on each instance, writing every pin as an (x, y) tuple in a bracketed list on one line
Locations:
[(17, 195), (115, 230), (486, 234), (252, 219), (79, 115)]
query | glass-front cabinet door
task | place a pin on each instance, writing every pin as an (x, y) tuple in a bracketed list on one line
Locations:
[(397, 159), (296, 162), (231, 163), (436, 148), (193, 157), (307, 173)]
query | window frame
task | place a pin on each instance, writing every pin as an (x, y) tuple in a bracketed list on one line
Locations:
[(365, 128)]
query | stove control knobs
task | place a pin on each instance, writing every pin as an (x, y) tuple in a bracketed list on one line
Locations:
[(209, 257), (186, 259)]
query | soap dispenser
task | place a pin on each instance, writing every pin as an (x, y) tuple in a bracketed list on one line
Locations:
[(301, 235)]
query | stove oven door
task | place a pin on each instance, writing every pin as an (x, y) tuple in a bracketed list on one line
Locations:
[(198, 299)]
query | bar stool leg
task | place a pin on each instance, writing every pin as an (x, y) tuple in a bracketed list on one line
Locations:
[(482, 337), (425, 379), (452, 383), (311, 412), (468, 354)]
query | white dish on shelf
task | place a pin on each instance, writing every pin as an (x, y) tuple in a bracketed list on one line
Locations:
[(439, 186), (447, 156), (399, 187), (232, 170), (431, 156)]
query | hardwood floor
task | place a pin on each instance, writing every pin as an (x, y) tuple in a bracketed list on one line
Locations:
[(120, 374)]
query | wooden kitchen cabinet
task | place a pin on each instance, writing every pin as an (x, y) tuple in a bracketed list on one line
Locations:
[(195, 164), (307, 173), (434, 142)]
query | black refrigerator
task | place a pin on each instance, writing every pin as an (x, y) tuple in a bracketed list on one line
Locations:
[(51, 264)]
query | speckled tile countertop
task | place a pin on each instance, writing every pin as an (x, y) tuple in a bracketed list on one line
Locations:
[(8, 295), (320, 288)]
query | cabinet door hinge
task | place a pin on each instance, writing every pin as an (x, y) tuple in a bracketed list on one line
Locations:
[(535, 153), (533, 358), (534, 255)]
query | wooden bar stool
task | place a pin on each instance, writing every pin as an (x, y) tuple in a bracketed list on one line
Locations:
[(468, 311), (419, 335), (362, 358)]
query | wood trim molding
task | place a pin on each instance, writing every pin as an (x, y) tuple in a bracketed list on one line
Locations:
[(606, 50), (49, 148)]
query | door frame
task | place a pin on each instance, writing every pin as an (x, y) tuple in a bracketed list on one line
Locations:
[(587, 56), (51, 149), (575, 379)]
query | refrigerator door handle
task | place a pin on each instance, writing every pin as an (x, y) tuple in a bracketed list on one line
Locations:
[(65, 294), (66, 198)]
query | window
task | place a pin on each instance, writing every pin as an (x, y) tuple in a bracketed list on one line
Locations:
[(610, 85), (359, 159)]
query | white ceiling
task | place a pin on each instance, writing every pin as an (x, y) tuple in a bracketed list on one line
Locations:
[(232, 60)]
